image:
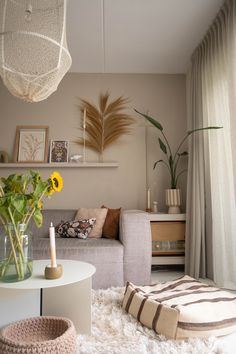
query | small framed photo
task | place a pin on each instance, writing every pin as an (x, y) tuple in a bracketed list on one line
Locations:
[(59, 151), (31, 143)]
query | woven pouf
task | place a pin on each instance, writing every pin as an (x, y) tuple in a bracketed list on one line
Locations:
[(48, 335)]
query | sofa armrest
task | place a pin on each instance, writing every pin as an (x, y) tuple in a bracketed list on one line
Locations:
[(135, 235)]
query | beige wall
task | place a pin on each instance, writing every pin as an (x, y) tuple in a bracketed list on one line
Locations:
[(162, 95)]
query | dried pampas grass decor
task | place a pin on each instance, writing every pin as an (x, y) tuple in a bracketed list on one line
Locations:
[(105, 124)]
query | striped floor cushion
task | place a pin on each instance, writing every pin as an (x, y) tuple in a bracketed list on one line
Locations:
[(182, 308)]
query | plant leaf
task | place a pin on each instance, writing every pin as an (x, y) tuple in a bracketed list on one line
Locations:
[(162, 146), (19, 203), (204, 128), (184, 153), (38, 218), (154, 166), (117, 105), (151, 120), (103, 99), (105, 124)]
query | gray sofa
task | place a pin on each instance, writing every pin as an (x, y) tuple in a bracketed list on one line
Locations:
[(116, 261)]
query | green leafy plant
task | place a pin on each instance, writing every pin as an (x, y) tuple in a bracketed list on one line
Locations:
[(172, 159), (20, 200)]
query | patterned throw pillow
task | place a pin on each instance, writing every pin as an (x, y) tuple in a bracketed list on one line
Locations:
[(76, 228)]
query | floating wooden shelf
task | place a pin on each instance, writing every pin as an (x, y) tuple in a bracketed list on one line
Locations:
[(60, 165)]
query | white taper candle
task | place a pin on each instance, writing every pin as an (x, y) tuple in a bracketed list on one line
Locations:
[(52, 245), (149, 198), (84, 120)]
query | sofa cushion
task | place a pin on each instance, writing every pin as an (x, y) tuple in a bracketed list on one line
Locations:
[(75, 228), (111, 225), (98, 214), (91, 250)]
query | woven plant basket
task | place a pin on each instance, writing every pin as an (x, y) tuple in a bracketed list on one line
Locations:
[(51, 335)]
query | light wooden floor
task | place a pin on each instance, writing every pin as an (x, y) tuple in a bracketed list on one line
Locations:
[(162, 275)]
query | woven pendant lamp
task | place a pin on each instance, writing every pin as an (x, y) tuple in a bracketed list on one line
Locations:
[(33, 50)]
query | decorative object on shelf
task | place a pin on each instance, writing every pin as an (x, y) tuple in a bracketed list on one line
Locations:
[(20, 201), (31, 143), (76, 158), (33, 47), (104, 124), (84, 135), (155, 206), (59, 151), (172, 160), (173, 200), (148, 208), (4, 158)]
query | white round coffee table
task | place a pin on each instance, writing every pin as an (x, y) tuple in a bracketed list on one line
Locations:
[(68, 296)]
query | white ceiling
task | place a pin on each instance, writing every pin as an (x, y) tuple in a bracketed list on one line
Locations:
[(136, 36)]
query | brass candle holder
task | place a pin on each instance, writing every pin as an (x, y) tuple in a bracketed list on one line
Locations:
[(53, 272), (148, 210)]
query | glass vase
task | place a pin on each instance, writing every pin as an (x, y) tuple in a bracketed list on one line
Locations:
[(16, 263)]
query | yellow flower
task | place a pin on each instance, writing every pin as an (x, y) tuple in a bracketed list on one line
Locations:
[(57, 182), (50, 191), (40, 204)]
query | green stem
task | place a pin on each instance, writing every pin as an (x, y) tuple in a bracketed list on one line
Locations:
[(175, 165), (27, 220), (180, 175), (168, 166), (1, 191), (181, 143), (190, 133), (14, 252), (16, 231)]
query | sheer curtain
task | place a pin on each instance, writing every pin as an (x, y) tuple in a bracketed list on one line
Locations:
[(211, 209)]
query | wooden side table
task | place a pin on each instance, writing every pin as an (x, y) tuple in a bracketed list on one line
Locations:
[(168, 238), (68, 296)]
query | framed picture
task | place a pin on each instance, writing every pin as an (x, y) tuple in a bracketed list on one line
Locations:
[(31, 144), (59, 151)]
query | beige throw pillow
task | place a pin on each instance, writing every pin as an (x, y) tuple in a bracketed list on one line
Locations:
[(99, 214)]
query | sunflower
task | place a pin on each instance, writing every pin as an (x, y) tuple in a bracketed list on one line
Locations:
[(50, 191), (57, 182)]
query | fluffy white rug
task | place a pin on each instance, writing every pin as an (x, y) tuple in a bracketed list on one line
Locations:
[(116, 332)]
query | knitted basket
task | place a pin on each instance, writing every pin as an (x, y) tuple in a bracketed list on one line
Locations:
[(51, 335)]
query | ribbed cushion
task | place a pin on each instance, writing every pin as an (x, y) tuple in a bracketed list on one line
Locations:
[(51, 335), (182, 308)]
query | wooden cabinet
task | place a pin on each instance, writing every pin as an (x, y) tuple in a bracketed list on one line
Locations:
[(168, 238)]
